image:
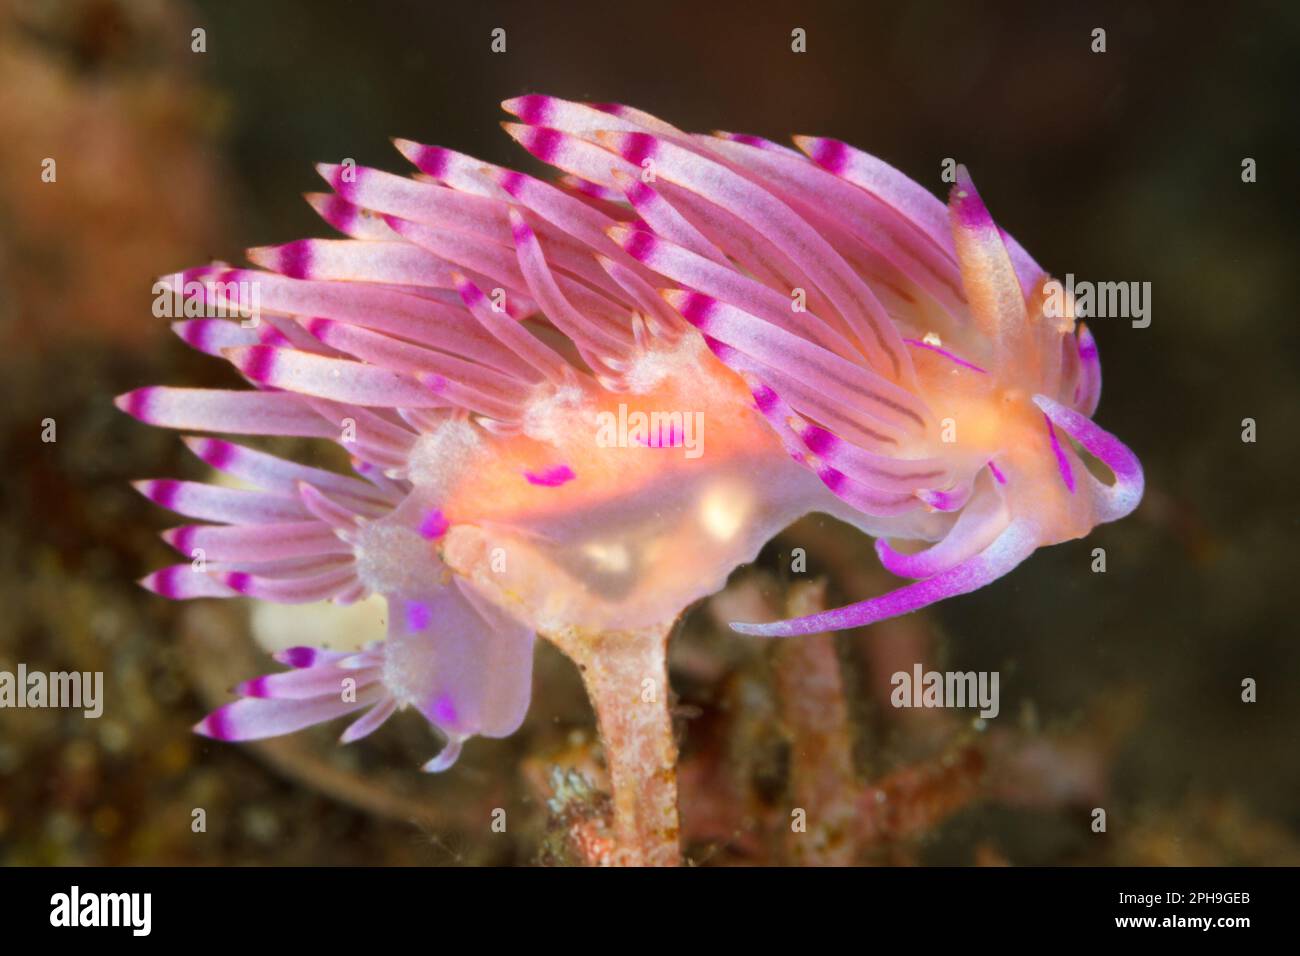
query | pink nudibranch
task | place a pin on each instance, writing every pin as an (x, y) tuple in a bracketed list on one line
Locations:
[(574, 407)]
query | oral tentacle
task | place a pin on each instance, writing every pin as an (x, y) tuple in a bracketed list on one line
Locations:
[(976, 527), (1112, 501), (1017, 542)]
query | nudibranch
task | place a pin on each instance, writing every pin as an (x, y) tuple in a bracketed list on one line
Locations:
[(574, 406)]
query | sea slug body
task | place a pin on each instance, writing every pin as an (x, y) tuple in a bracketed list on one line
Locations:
[(574, 407)]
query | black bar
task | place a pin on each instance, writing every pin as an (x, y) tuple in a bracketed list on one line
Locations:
[(336, 906)]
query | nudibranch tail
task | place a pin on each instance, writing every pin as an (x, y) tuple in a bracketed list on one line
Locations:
[(460, 664)]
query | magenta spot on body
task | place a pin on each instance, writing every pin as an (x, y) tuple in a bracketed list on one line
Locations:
[(470, 294), (918, 343), (765, 399), (639, 194), (832, 479), (259, 363), (418, 616), (346, 187), (1062, 462), (831, 155), (216, 725), (970, 208), (433, 161), (638, 147), (639, 245), (257, 687), (696, 309), (1087, 348), (511, 181), (533, 108), (521, 232), (240, 581), (270, 335), (319, 328), (444, 711), (217, 453), (551, 477), (164, 491), (295, 259), (748, 139), (544, 143), (297, 656), (434, 524), (436, 383), (720, 349), (340, 213), (818, 440), (613, 109), (136, 403), (164, 580), (195, 333), (997, 474), (182, 538)]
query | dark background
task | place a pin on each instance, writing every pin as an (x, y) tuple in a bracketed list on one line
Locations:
[(1122, 166)]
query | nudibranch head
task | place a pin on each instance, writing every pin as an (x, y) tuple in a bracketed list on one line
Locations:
[(1007, 390), (574, 407)]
